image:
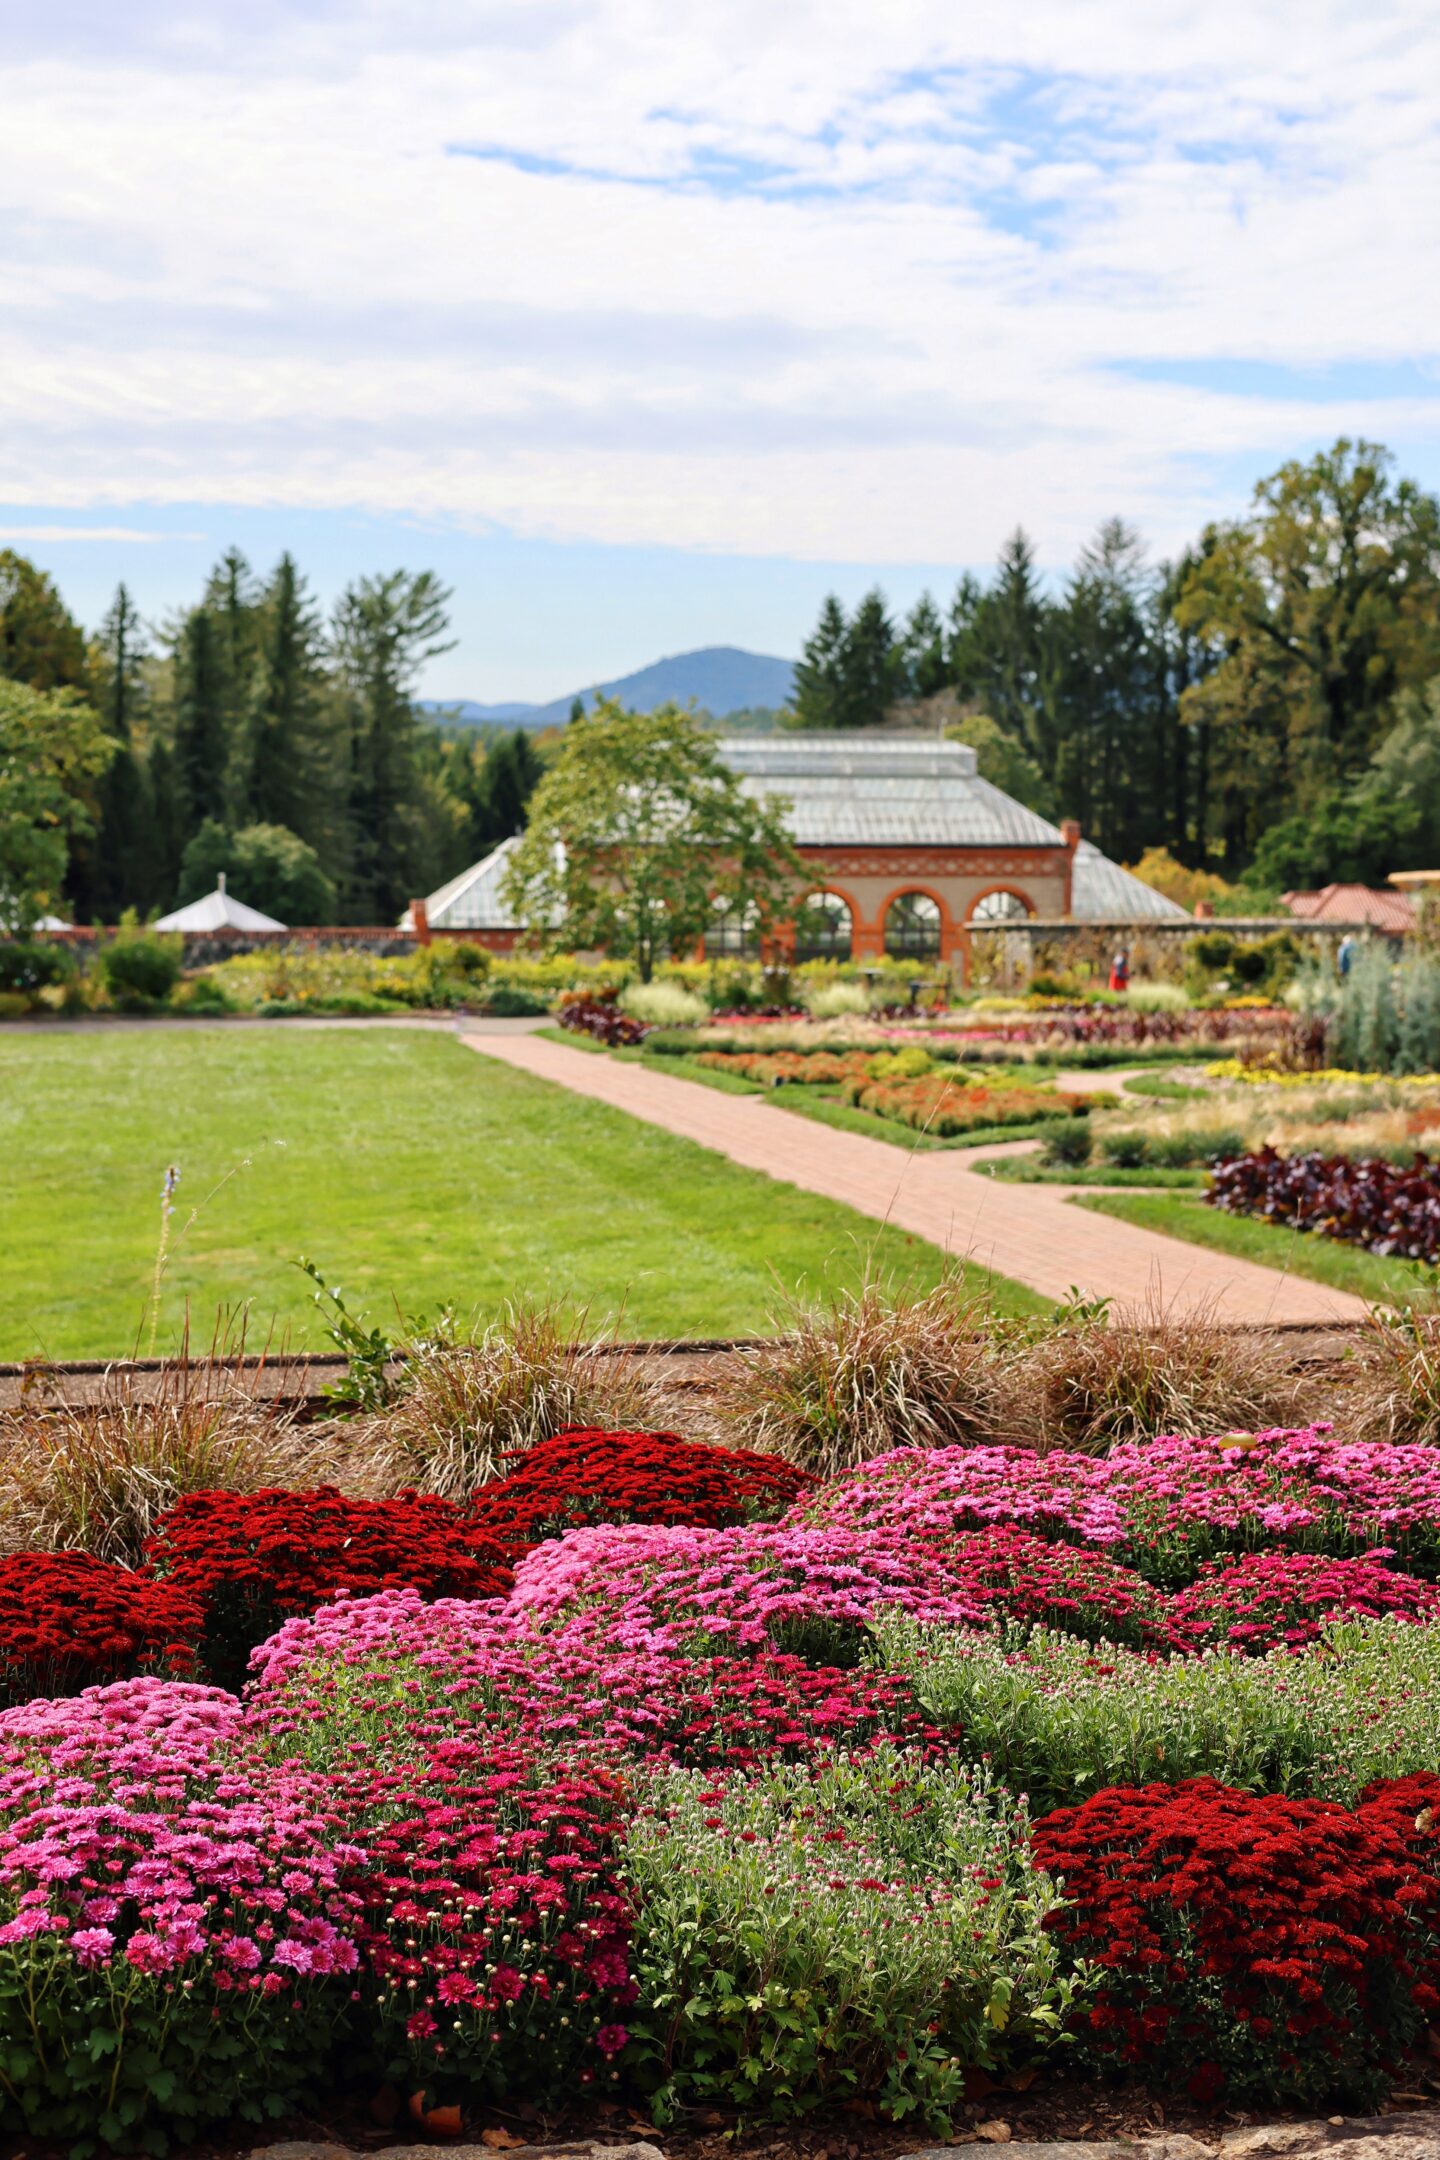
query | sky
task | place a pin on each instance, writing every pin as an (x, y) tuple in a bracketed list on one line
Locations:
[(645, 326)]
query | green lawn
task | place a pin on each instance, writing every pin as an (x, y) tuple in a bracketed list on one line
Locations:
[(1029, 1170), (407, 1166), (1319, 1259)]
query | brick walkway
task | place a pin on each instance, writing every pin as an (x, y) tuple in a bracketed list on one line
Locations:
[(1028, 1232)]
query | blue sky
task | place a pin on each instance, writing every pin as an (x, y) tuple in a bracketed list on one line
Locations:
[(645, 331)]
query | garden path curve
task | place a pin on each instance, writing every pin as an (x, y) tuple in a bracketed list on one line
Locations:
[(1029, 1232)]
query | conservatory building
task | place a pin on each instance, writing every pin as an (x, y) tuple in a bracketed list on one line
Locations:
[(908, 848)]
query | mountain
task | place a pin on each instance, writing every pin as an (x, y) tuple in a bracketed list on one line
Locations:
[(719, 678)]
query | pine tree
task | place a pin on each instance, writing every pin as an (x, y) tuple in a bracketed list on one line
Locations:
[(288, 776), (923, 650), (385, 629), (872, 665), (508, 779), (113, 867), (998, 650), (232, 602), (201, 702), (819, 694), (169, 827)]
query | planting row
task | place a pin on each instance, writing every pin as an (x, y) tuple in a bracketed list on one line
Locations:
[(1391, 1210)]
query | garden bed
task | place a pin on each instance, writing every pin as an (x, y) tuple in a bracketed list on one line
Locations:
[(620, 1773)]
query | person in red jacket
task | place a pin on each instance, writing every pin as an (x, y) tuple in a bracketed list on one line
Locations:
[(1120, 970)]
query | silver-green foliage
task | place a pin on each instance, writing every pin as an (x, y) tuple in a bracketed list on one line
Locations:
[(871, 1927), (1060, 1719)]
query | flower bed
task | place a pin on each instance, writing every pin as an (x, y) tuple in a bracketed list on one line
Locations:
[(68, 1621), (587, 1476), (703, 1811), (252, 1560), (947, 1107), (1250, 1946), (1391, 1211)]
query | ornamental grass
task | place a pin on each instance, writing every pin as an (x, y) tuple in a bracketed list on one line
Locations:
[(96, 1477), (870, 1370), (1104, 1376), (468, 1410)]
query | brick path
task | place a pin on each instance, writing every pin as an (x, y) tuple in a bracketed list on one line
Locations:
[(1028, 1232)]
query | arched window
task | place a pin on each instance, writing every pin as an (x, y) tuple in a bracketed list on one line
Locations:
[(822, 928), (1001, 907), (912, 927), (733, 931)]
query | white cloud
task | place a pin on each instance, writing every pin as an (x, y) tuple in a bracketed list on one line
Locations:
[(830, 281)]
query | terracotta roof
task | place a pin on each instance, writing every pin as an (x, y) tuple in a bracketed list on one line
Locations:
[(1393, 912)]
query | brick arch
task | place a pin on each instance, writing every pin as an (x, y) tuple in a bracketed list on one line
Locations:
[(947, 920), (1016, 892), (817, 886)]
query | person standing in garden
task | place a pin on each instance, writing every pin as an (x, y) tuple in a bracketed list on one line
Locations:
[(1120, 970)]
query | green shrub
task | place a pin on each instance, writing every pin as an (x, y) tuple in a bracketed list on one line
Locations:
[(665, 1004), (203, 994), (1125, 1150), (506, 1001), (776, 1984), (1069, 1143), (1214, 949), (471, 961), (26, 967), (140, 967)]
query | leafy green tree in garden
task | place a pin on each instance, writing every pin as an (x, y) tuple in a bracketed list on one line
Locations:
[(819, 698), (1001, 760), (52, 749), (1327, 601), (636, 830), (40, 642), (266, 866), (285, 769), (384, 631)]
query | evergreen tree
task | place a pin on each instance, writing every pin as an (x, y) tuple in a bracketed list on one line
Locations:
[(872, 665), (385, 629), (923, 650), (112, 866), (202, 701), (818, 700), (40, 642), (233, 604), (288, 776), (998, 650), (508, 779), (1105, 697), (169, 825)]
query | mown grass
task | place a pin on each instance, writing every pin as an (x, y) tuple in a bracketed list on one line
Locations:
[(406, 1165), (1028, 1170), (1300, 1252)]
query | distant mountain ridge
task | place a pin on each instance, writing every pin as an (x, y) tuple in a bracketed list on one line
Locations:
[(719, 678)]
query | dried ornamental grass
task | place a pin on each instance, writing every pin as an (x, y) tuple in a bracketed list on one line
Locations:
[(467, 1408), (1115, 1376), (97, 1477), (873, 1369), (1394, 1391)]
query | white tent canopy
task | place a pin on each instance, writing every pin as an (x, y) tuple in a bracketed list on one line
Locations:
[(219, 910)]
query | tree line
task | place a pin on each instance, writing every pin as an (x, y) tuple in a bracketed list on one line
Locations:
[(1267, 705), (253, 734)]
